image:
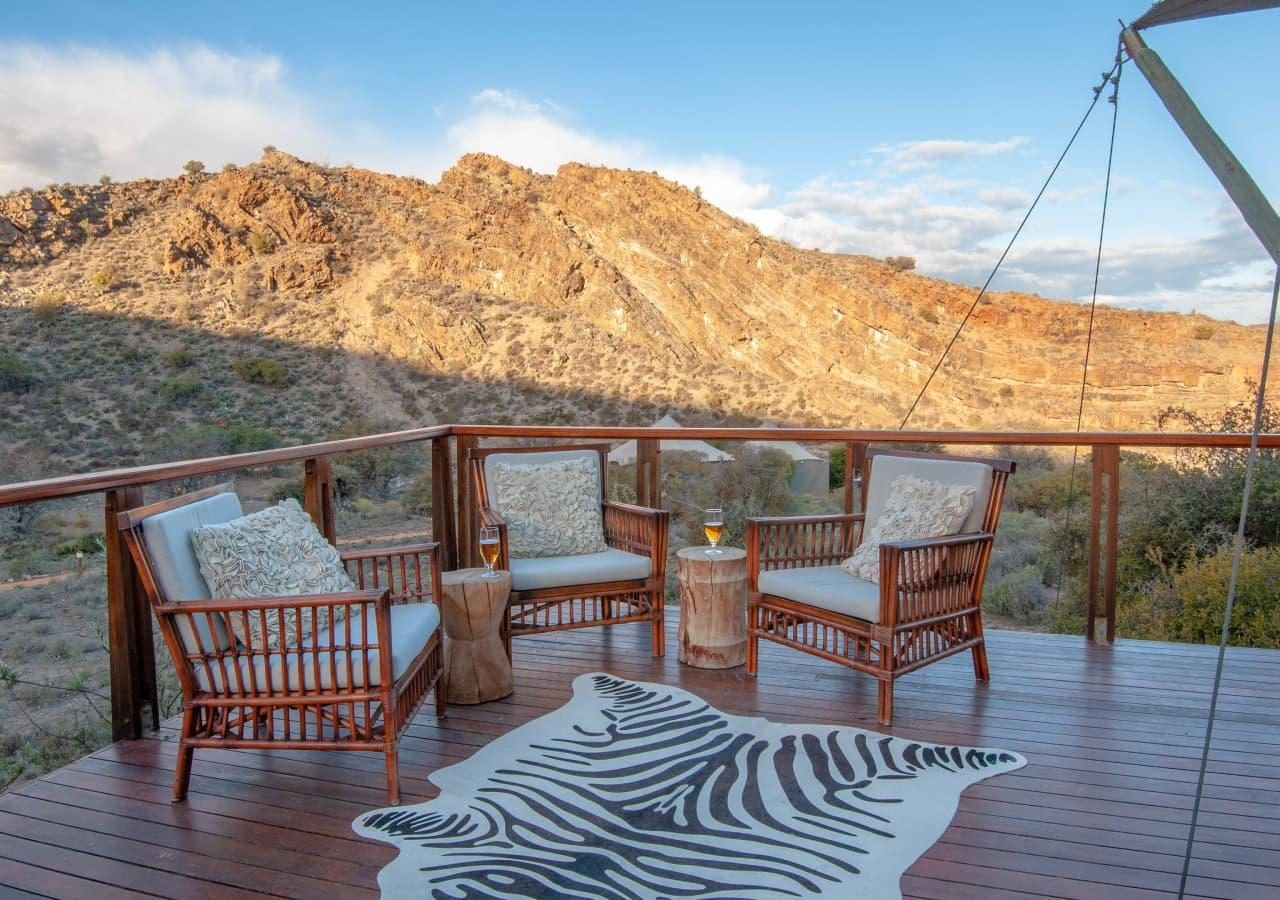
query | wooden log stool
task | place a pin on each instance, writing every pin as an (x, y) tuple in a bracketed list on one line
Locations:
[(713, 607), (473, 609)]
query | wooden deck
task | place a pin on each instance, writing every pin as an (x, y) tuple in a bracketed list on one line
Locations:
[(1112, 738)]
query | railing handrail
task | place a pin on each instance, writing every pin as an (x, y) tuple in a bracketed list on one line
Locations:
[(110, 479)]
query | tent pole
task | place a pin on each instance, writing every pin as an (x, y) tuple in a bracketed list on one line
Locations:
[(1244, 191)]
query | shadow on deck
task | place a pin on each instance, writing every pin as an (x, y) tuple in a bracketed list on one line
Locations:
[(1112, 737)]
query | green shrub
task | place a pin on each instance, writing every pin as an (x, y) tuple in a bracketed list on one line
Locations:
[(1203, 332), (418, 500), (17, 376), (88, 544), (262, 242), (182, 358), (180, 388), (193, 167), (258, 370), (288, 489), (104, 278), (47, 307), (900, 263), (1190, 605)]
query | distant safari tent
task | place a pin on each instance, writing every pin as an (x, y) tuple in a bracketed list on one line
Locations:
[(811, 474), (625, 454)]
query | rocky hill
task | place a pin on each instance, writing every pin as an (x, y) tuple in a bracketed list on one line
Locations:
[(153, 319)]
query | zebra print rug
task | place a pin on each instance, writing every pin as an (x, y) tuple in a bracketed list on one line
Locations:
[(644, 790)]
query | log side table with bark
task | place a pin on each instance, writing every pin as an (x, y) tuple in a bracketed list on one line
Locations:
[(713, 607), (472, 610)]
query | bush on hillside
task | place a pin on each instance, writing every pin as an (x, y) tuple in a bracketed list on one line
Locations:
[(258, 370)]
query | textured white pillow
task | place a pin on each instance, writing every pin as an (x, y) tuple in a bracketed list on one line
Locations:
[(916, 508), (277, 552), (551, 509)]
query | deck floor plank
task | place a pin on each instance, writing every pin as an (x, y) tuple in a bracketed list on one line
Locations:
[(1112, 737)]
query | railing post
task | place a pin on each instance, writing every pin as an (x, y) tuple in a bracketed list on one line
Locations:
[(648, 476), (1104, 502), (468, 515), (317, 495), (443, 522), (855, 456), (130, 647)]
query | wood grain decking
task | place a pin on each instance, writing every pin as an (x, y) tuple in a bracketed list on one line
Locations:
[(1112, 737)]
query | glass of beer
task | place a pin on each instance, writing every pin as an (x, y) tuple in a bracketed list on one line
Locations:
[(489, 550), (713, 527)]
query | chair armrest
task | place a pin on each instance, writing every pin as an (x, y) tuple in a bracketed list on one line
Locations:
[(637, 529), (931, 577), (399, 569), (291, 640), (789, 542)]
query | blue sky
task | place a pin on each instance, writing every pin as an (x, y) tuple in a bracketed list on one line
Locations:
[(917, 129)]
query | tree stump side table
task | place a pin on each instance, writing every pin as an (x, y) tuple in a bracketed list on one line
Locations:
[(472, 610), (713, 607)]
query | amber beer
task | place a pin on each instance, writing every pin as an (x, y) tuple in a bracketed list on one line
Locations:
[(713, 527), (489, 542)]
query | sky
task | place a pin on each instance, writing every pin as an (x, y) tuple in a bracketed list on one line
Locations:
[(919, 129)]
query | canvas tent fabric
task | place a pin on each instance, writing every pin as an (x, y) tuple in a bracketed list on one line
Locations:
[(810, 473), (625, 454), (1169, 11)]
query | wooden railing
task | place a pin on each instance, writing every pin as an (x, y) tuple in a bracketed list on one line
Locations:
[(453, 508)]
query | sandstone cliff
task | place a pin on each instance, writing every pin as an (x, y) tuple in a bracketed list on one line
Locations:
[(591, 296)]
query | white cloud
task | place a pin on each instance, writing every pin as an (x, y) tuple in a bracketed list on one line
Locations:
[(911, 155), (74, 113)]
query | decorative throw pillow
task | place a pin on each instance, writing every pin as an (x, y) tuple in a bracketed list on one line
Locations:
[(277, 552), (551, 509), (915, 508)]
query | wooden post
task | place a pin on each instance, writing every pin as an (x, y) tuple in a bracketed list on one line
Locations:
[(1240, 186), (855, 457), (648, 475), (444, 524), (317, 495), (468, 514), (655, 476), (1104, 503), (130, 647)]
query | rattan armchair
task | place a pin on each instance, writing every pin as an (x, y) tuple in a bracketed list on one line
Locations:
[(299, 683), (623, 584), (928, 602)]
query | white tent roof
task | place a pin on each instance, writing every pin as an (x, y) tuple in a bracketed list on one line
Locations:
[(625, 454), (791, 448)]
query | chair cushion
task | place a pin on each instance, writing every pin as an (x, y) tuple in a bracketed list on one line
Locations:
[(886, 467), (826, 587), (412, 625), (916, 508), (552, 508), (276, 552), (177, 571), (584, 568)]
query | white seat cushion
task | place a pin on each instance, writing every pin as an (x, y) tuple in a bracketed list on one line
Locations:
[(586, 568), (412, 625), (826, 587)]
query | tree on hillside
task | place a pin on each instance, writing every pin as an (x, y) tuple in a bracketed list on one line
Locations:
[(193, 167)]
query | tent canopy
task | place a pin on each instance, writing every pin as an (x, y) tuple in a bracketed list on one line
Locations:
[(1167, 11), (625, 454)]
